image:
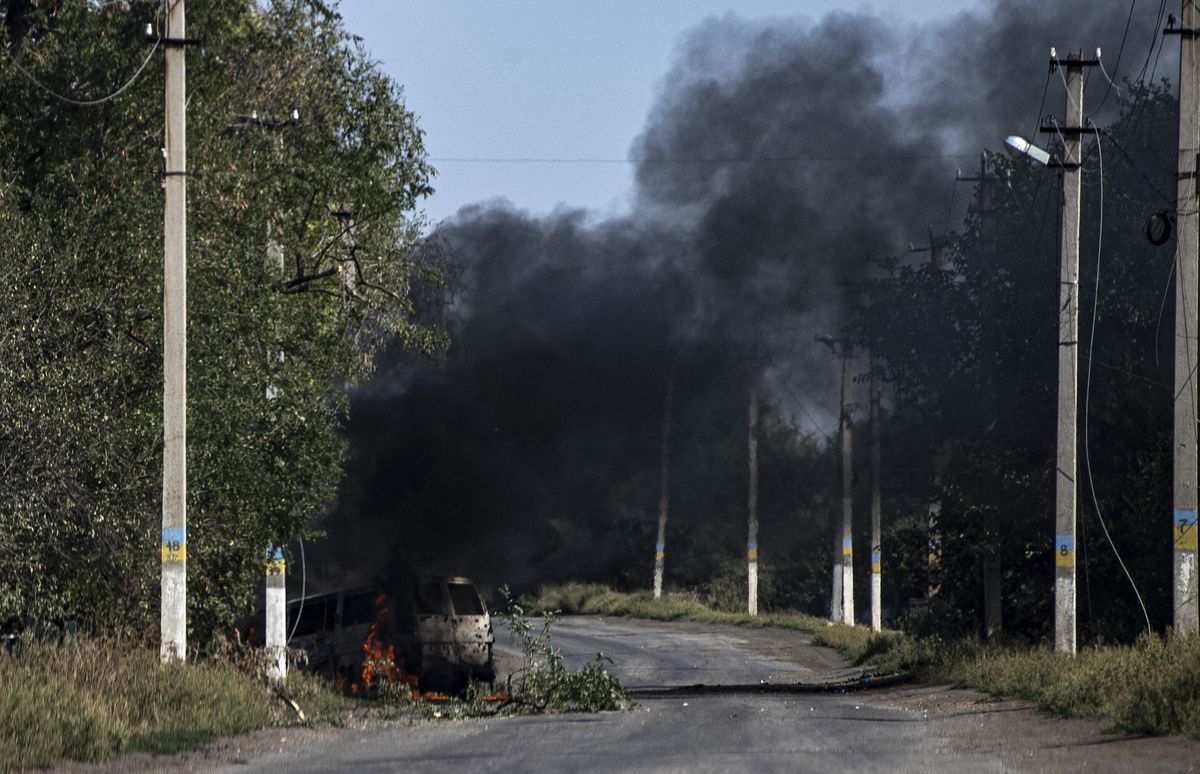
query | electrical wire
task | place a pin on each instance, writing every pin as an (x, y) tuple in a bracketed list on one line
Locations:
[(1156, 39), (1170, 202), (950, 209), (1087, 395), (1111, 85), (724, 160), (1162, 307), (1041, 106), (1117, 66), (89, 102), (1070, 97), (303, 590)]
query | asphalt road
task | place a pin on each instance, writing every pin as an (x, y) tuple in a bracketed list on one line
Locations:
[(749, 728), (674, 654)]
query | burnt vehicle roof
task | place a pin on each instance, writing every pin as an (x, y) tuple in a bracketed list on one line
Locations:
[(381, 587)]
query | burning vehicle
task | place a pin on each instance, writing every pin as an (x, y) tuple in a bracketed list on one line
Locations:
[(433, 631)]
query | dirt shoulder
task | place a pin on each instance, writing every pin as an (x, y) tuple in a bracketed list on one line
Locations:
[(1028, 739)]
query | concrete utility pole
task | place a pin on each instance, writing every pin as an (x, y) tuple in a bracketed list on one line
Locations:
[(934, 249), (275, 629), (933, 560), (752, 536), (173, 643), (1068, 363), (933, 557), (664, 496), (993, 570), (876, 506), (1183, 525), (847, 547)]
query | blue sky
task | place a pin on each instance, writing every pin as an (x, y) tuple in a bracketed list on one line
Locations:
[(516, 80)]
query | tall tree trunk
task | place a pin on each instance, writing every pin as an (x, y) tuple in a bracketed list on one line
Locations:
[(993, 619)]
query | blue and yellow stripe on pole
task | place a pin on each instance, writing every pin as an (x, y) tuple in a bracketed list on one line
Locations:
[(752, 552), (876, 558), (847, 547), (174, 544), (1064, 551), (275, 564), (1184, 529), (659, 551)]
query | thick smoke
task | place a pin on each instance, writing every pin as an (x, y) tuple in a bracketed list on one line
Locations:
[(782, 158)]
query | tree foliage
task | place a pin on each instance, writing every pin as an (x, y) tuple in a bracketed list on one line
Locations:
[(302, 261)]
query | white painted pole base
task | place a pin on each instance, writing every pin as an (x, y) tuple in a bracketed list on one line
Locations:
[(876, 598), (1064, 609), (173, 631), (658, 574), (1185, 587), (847, 582), (835, 603), (752, 586)]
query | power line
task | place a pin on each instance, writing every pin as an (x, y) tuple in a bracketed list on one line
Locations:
[(1087, 393), (1169, 201), (1041, 106), (1156, 39), (89, 102), (725, 160), (1116, 66)]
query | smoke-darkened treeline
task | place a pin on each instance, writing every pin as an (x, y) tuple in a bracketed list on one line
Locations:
[(784, 168)]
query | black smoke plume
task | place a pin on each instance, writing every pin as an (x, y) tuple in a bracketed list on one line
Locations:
[(781, 159)]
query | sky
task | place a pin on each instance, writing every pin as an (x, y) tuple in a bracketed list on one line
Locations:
[(539, 101)]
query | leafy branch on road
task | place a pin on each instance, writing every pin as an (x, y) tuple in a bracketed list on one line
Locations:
[(543, 683)]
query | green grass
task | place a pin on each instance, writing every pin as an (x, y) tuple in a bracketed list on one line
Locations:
[(1151, 686), (91, 700)]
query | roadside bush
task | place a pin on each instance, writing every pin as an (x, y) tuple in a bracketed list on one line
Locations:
[(565, 598)]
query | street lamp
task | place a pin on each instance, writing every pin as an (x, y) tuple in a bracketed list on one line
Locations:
[(1018, 146)]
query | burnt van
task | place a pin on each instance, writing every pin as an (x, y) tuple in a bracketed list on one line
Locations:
[(437, 627)]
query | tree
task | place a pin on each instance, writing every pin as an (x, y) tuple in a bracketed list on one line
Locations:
[(333, 194)]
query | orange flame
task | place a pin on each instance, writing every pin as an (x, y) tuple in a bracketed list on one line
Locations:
[(380, 667)]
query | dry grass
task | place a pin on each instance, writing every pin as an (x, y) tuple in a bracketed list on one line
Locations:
[(91, 700), (1152, 686)]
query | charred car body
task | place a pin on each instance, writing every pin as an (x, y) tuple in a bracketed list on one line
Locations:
[(438, 629)]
